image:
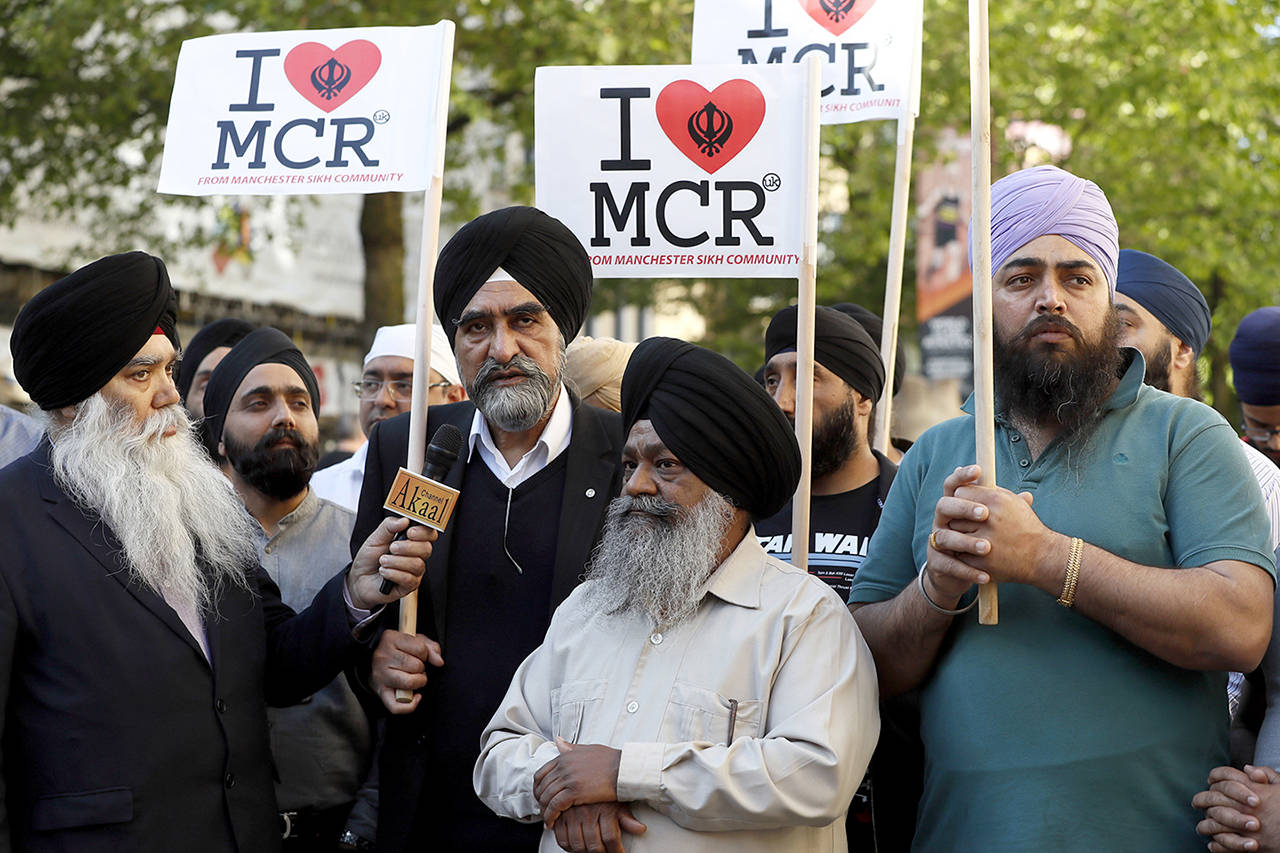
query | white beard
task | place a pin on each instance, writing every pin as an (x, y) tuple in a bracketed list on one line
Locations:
[(169, 507), (657, 564)]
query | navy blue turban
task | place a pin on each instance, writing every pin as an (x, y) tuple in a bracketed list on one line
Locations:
[(1255, 358), (1168, 294), (716, 420)]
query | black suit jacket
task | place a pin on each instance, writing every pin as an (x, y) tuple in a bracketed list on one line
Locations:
[(118, 734), (592, 479)]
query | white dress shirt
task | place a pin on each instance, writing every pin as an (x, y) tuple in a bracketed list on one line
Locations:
[(552, 442), (775, 639), (340, 483)]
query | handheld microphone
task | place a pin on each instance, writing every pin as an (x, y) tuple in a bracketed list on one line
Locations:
[(441, 453)]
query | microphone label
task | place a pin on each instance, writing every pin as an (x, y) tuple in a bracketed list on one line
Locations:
[(419, 499)]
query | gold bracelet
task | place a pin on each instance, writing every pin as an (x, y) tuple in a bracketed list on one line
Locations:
[(1068, 597)]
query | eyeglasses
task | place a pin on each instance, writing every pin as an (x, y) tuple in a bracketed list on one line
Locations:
[(1261, 435), (370, 389)]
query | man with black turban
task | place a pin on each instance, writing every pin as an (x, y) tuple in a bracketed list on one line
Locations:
[(850, 483), (1131, 552), (202, 354), (262, 404), (535, 473), (139, 638), (694, 694)]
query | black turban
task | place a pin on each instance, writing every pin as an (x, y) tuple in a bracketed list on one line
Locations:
[(839, 344), (716, 420), (226, 332), (874, 325), (539, 252), (261, 346), (72, 337)]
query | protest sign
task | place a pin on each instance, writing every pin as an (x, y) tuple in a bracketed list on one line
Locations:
[(307, 111), (869, 48), (675, 171)]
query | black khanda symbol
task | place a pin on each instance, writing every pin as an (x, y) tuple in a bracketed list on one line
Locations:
[(710, 127), (330, 78), (837, 10)]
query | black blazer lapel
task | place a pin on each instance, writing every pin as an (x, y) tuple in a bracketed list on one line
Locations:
[(94, 537), (591, 481), (437, 580)]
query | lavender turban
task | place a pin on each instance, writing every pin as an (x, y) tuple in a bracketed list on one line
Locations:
[(1047, 200)]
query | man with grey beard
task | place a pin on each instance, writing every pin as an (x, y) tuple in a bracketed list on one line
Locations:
[(695, 693), (139, 639), (512, 287)]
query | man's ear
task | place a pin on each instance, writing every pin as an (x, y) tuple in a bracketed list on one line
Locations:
[(67, 414), (455, 394), (1183, 355), (862, 403)]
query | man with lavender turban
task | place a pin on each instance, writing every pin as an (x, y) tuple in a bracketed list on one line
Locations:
[(1130, 546)]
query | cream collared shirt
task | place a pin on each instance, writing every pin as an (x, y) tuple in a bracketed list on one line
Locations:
[(552, 442), (775, 639)]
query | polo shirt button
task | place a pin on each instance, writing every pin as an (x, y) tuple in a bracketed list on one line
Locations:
[(221, 706), (591, 493), (229, 780), (633, 706), (656, 638), (1024, 463)]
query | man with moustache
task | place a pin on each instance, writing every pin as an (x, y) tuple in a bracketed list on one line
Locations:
[(512, 289), (139, 639), (1089, 716), (850, 484), (200, 356), (262, 403), (694, 694), (385, 389), (850, 480)]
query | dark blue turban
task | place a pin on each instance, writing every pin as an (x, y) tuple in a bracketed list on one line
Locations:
[(1255, 358), (1167, 294)]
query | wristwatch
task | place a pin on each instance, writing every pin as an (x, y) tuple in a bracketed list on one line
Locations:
[(350, 841)]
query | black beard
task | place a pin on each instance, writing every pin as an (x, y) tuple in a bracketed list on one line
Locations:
[(1158, 370), (1045, 384), (279, 472), (835, 439)]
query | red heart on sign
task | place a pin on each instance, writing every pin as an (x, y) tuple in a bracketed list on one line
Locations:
[(837, 15), (329, 78), (710, 128)]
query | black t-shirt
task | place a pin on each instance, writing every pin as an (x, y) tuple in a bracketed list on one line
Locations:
[(840, 528)]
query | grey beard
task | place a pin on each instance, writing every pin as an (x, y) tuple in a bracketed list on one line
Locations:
[(519, 407), (169, 507), (658, 563)]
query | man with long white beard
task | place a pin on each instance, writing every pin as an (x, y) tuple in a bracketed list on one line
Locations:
[(512, 287), (694, 694), (139, 639), (1088, 717)]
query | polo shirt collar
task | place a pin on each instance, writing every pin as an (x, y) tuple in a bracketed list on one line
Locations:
[(738, 579), (1124, 394)]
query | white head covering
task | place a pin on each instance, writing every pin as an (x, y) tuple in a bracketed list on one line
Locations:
[(398, 341)]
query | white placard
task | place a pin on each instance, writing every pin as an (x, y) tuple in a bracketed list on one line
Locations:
[(869, 48), (675, 171), (307, 112)]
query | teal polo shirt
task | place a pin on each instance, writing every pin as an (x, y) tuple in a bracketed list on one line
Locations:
[(1049, 732)]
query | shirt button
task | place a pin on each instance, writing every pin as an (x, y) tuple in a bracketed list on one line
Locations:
[(1015, 437), (268, 549), (633, 706), (656, 638), (229, 780), (591, 493), (1024, 463), (221, 706)]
